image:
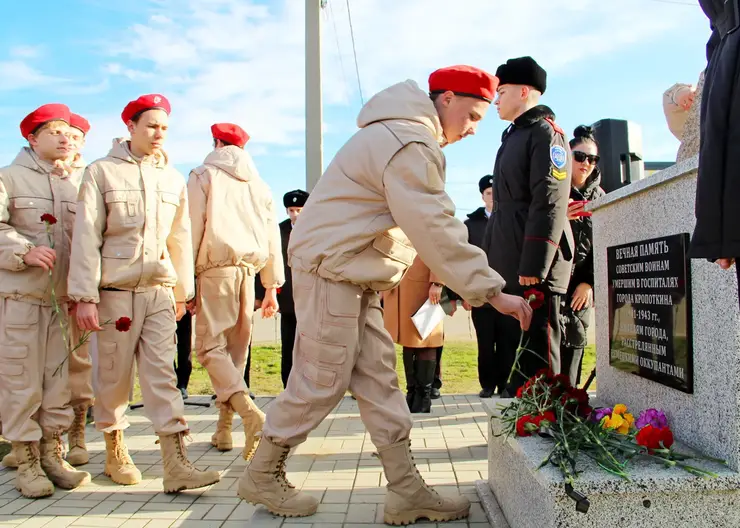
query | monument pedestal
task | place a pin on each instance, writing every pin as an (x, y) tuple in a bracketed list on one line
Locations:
[(656, 497), (649, 331)]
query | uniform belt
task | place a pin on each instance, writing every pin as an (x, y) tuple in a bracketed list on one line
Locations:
[(112, 289)]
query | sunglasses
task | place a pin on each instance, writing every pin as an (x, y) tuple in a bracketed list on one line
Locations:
[(580, 157)]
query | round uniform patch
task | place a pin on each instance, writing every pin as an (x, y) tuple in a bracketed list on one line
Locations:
[(557, 156)]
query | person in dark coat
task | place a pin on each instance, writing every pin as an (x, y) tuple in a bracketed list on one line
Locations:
[(529, 240), (293, 202), (577, 305), (184, 363), (716, 236), (491, 372)]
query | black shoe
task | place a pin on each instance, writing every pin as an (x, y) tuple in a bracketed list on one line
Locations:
[(436, 394), (486, 393), (251, 395), (184, 393)]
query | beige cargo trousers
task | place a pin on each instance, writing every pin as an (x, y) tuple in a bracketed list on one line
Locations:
[(341, 342)]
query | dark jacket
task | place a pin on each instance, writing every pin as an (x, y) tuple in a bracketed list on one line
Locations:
[(529, 235), (717, 232), (476, 224), (583, 259), (285, 293), (574, 325)]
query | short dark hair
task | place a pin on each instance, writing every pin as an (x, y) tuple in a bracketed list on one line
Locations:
[(224, 143)]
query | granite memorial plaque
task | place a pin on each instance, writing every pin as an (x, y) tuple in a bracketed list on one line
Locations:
[(650, 330)]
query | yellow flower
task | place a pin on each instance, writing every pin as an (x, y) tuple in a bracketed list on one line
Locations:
[(614, 421), (619, 408), (620, 423)]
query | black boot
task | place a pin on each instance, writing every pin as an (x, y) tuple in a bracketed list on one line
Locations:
[(409, 362), (424, 380)]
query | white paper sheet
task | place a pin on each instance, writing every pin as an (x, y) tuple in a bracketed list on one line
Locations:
[(427, 318)]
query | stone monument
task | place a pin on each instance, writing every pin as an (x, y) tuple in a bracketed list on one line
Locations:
[(667, 336)]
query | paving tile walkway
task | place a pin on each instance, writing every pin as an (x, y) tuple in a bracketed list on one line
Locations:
[(335, 464)]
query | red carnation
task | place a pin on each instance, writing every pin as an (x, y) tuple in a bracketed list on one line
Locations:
[(547, 415), (48, 218), (521, 425), (123, 324), (563, 380), (652, 437), (535, 298)]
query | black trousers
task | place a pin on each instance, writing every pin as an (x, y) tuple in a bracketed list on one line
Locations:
[(287, 336), (249, 366), (543, 338), (184, 362), (492, 371), (438, 370)]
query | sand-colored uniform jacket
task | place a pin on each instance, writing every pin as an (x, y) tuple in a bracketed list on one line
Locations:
[(132, 230), (383, 198), (233, 217), (30, 188)]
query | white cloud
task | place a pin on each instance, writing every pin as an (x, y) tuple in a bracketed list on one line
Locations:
[(17, 75), (243, 61), (25, 52)]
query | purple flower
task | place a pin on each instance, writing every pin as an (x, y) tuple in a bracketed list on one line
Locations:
[(653, 417), (601, 412)]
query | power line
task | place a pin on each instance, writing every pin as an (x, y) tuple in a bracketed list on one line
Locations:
[(336, 38), (354, 52)]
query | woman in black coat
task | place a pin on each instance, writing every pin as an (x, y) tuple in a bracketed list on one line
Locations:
[(575, 312), (717, 233)]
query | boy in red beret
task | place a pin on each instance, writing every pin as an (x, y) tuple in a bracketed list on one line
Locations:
[(80, 363), (132, 265), (37, 198), (235, 236), (80, 366), (381, 200)]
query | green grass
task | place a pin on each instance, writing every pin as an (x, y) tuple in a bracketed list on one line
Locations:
[(459, 370), (459, 373)]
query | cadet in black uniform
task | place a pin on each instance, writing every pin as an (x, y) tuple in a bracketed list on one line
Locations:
[(492, 373), (293, 202), (529, 240)]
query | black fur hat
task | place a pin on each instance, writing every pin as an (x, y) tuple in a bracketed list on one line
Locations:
[(523, 70)]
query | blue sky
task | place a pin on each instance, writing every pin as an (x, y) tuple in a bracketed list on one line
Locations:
[(242, 61)]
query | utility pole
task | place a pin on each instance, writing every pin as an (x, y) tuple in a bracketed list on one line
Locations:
[(314, 114)]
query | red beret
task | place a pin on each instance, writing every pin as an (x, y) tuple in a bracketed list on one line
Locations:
[(464, 80), (44, 114), (80, 123), (144, 103), (230, 133)]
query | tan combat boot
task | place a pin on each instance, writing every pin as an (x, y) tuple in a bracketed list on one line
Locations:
[(10, 460), (78, 455), (408, 498), (252, 418), (118, 464), (221, 439), (264, 482), (31, 480), (59, 471), (179, 473)]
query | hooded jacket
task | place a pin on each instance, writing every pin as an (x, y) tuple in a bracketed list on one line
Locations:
[(382, 199), (132, 230), (233, 217), (29, 188)]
